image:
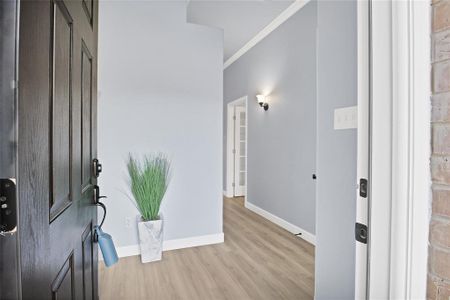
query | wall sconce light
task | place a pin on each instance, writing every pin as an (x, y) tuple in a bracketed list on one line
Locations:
[(262, 101)]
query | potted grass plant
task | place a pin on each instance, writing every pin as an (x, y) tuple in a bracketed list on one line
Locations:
[(149, 179)]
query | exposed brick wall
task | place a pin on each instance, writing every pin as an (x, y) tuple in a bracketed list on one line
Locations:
[(439, 240)]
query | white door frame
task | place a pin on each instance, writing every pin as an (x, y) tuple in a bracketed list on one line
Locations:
[(229, 191), (363, 149), (400, 149)]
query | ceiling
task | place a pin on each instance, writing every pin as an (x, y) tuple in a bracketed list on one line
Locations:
[(241, 20)]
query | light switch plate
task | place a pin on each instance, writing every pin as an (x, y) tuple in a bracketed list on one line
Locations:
[(346, 118)]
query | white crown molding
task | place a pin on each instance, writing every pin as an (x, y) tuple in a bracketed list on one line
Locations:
[(307, 236), (280, 19), (195, 241)]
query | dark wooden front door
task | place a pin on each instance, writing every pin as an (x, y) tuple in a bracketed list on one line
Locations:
[(56, 147)]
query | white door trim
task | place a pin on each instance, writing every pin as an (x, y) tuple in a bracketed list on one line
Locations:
[(363, 158), (400, 154), (229, 191)]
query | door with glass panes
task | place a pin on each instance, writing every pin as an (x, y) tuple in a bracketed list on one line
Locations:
[(240, 153)]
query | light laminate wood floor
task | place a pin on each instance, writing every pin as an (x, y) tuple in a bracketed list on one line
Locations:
[(258, 260)]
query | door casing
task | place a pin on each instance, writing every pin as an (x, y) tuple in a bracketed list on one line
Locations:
[(363, 152), (400, 149)]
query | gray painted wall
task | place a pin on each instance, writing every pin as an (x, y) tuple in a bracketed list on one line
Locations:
[(281, 141), (336, 167), (161, 89)]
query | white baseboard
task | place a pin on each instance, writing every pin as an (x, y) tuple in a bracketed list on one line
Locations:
[(228, 194), (125, 251), (307, 236), (195, 241)]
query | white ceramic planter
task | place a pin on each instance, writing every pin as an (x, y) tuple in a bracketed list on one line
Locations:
[(150, 239)]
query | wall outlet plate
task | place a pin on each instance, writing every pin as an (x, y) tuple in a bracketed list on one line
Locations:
[(127, 223), (346, 118)]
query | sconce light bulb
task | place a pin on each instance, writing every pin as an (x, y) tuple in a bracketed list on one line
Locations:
[(261, 99)]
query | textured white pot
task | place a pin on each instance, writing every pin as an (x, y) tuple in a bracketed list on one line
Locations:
[(150, 239)]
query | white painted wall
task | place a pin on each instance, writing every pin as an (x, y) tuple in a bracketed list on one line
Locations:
[(160, 89)]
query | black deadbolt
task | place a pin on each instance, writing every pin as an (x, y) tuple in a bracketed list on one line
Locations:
[(361, 233), (97, 166), (8, 218), (363, 187)]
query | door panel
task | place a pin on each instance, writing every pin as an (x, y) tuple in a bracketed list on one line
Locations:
[(63, 286), (88, 6), (86, 120), (87, 263), (57, 143), (62, 108)]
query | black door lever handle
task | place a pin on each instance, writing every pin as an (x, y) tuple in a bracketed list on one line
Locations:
[(97, 196), (97, 202)]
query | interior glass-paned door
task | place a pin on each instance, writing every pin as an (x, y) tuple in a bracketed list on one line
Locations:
[(240, 151)]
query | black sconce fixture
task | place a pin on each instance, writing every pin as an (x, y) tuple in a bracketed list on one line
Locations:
[(262, 100)]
